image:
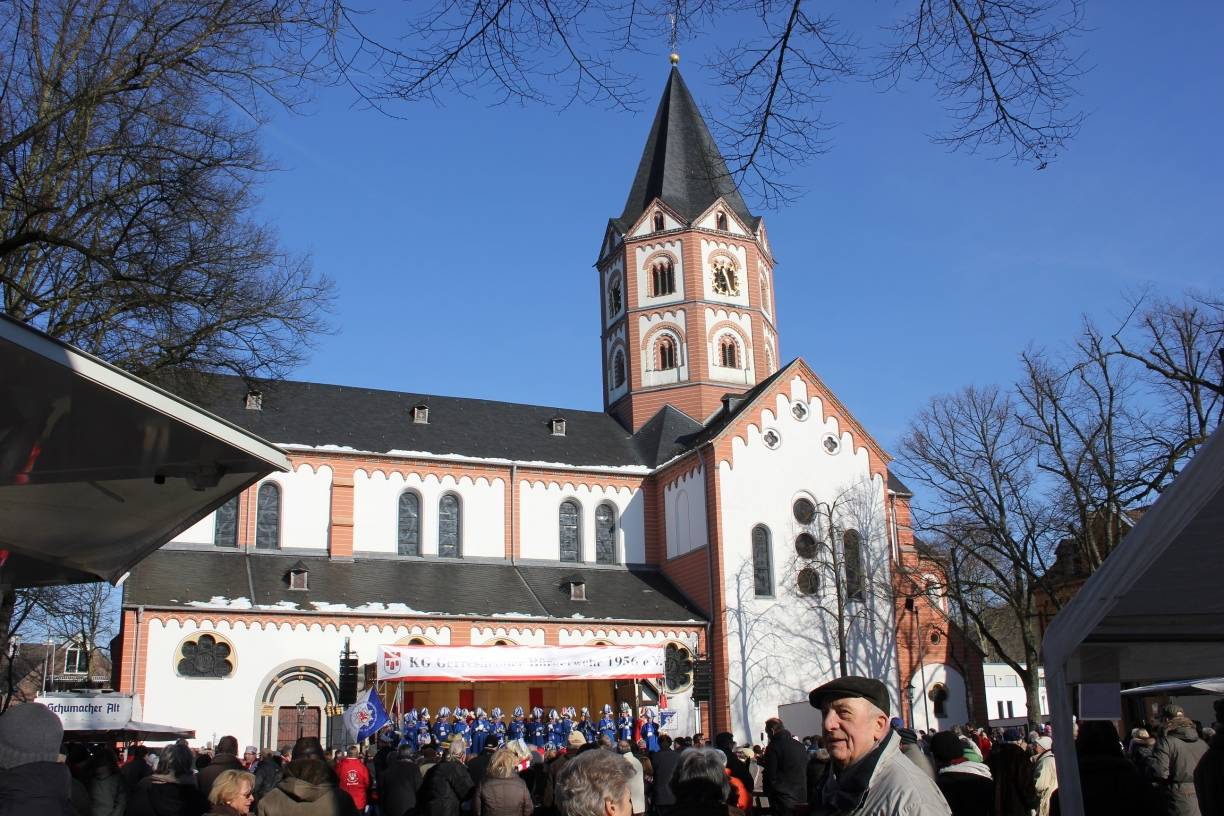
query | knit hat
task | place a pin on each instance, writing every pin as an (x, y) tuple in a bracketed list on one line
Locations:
[(29, 732), (946, 746), (1046, 743)]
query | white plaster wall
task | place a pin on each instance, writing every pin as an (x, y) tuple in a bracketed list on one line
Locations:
[(305, 506), (231, 705), (202, 532), (644, 257), (674, 321), (710, 219), (1003, 685), (684, 503), (646, 226), (376, 511), (780, 647), (617, 340), (745, 375), (956, 709), (524, 636), (710, 248), (539, 531)]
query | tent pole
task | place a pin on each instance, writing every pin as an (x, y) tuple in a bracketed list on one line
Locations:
[(1059, 696)]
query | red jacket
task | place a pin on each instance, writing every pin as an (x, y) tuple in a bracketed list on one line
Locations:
[(354, 780)]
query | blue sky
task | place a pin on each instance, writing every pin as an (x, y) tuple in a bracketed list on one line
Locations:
[(462, 236)]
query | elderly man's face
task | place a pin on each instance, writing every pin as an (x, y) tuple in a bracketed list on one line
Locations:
[(852, 726)]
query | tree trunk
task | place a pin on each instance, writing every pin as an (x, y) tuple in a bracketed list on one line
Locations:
[(1032, 687)]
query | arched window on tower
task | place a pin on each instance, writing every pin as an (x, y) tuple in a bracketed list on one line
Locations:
[(659, 224), (666, 353), (618, 369), (408, 524), (605, 534), (570, 527), (762, 562), (720, 221), (728, 352), (450, 536), (939, 699), (268, 516), (852, 555), (662, 277)]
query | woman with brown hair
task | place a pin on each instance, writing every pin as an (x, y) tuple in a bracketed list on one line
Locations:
[(502, 792)]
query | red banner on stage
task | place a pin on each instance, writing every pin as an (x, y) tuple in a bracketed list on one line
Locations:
[(510, 663)]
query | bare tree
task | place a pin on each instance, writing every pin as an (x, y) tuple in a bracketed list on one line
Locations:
[(83, 615), (989, 520), (128, 159), (1004, 68)]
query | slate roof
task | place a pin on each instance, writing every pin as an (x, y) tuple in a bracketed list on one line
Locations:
[(897, 486), (681, 163), (377, 421), (197, 578)]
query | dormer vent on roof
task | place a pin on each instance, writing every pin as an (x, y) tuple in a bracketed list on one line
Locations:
[(298, 576), (420, 414), (254, 400), (577, 587), (557, 426)]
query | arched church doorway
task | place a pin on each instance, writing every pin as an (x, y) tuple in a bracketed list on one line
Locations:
[(299, 701)]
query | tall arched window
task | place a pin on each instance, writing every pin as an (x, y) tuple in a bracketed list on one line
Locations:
[(852, 554), (614, 296), (605, 534), (939, 699), (728, 352), (662, 277), (408, 526), (225, 530), (659, 222), (666, 352), (450, 539), (618, 369), (268, 516), (762, 562), (720, 221), (569, 523)]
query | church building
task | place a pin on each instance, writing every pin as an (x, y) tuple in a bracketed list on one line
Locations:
[(724, 506)]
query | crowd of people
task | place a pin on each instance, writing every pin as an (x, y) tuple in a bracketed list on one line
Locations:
[(864, 763)]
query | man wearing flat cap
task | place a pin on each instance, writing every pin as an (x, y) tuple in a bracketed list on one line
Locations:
[(867, 775)]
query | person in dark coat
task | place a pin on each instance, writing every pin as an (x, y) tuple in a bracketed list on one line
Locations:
[(136, 768), (664, 762), (399, 784), (226, 759), (725, 742), (785, 779), (267, 774), (1209, 776), (107, 793), (502, 792), (1012, 771), (308, 786), (1176, 755), (965, 783), (447, 784), (172, 790), (33, 782), (1109, 784), (701, 784)]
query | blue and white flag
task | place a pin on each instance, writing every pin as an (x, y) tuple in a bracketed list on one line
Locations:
[(366, 716)]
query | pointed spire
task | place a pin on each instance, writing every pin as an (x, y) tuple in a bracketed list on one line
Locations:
[(681, 163)]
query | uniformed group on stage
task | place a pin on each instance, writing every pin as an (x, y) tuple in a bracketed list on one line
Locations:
[(479, 728)]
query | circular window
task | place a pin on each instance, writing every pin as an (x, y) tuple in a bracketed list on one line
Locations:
[(936, 637), (799, 410), (805, 545), (205, 656), (771, 439), (809, 581), (804, 510), (831, 444), (678, 671)]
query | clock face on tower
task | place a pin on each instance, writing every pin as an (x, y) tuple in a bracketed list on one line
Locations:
[(724, 280)]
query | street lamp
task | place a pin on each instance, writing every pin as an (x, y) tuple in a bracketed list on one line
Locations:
[(301, 710)]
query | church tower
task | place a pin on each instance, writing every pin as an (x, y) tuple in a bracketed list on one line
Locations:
[(686, 278)]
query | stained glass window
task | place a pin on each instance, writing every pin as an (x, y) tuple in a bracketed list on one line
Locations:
[(605, 534), (409, 523), (852, 554), (225, 531), (205, 656), (570, 523), (267, 517), (678, 667), (449, 540), (762, 568), (618, 369)]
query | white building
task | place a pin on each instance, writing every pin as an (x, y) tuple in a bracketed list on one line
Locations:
[(1005, 696)]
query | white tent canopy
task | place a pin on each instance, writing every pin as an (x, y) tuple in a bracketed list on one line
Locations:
[(1207, 685), (99, 468), (1153, 611)]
